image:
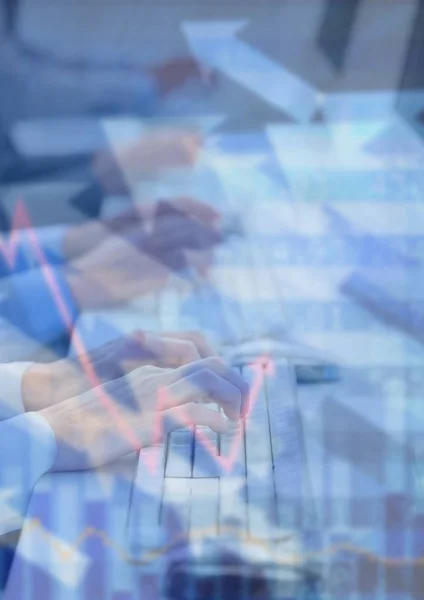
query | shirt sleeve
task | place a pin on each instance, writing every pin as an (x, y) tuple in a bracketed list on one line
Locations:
[(11, 402), (38, 303), (50, 86), (27, 451)]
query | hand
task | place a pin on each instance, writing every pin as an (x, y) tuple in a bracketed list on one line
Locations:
[(138, 410), (87, 236), (121, 269), (114, 274), (160, 149), (47, 384), (177, 72)]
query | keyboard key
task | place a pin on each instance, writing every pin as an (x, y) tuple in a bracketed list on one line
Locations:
[(259, 472), (232, 504), (204, 508), (289, 464), (232, 490), (231, 447), (175, 514), (206, 462), (144, 529), (180, 447)]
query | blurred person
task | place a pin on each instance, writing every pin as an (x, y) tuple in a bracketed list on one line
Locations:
[(40, 82), (105, 172)]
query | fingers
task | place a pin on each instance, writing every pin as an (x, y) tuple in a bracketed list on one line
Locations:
[(223, 371), (204, 384), (116, 358), (203, 347), (172, 352), (201, 210), (184, 231), (120, 357), (174, 260), (194, 414), (167, 350)]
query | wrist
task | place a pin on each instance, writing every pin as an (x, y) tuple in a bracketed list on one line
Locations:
[(37, 385), (57, 425), (67, 420), (45, 385)]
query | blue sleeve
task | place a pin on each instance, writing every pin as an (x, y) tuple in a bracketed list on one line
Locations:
[(18, 252), (39, 303)]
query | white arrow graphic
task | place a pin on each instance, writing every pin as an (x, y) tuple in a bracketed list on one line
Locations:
[(214, 43)]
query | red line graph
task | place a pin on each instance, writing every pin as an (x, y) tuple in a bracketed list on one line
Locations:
[(22, 225)]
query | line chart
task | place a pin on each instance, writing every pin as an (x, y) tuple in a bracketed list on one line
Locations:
[(292, 560), (21, 225)]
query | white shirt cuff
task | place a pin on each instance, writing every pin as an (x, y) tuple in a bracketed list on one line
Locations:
[(11, 401)]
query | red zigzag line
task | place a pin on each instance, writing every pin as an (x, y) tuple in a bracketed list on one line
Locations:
[(21, 221)]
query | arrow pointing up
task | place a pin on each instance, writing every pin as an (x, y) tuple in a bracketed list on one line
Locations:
[(214, 43)]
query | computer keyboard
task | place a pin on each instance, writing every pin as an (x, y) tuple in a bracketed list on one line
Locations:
[(245, 491)]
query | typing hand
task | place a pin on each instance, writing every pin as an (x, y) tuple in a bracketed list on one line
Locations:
[(154, 151), (48, 384), (190, 217), (139, 409), (123, 268)]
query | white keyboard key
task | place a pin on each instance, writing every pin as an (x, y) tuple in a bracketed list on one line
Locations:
[(178, 460), (176, 507), (289, 464), (204, 508), (232, 504), (233, 499), (206, 461), (144, 529), (259, 471), (231, 446)]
